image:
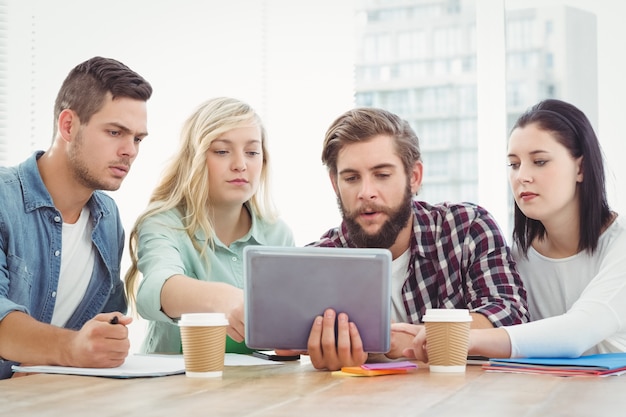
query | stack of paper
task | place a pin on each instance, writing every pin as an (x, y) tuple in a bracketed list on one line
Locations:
[(135, 366), (591, 365), (138, 366)]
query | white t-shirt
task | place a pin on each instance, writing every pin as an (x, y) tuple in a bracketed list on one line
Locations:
[(579, 302), (399, 266), (77, 258)]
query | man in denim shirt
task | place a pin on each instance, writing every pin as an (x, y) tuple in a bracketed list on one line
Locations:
[(61, 238)]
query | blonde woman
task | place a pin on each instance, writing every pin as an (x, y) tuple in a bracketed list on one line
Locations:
[(212, 201)]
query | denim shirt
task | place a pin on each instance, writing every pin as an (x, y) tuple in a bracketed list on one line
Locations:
[(30, 260)]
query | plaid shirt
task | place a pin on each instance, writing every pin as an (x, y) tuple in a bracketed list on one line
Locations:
[(459, 259)]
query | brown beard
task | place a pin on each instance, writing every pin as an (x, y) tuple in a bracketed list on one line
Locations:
[(388, 233)]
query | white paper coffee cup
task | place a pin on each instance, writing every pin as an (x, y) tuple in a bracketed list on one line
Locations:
[(447, 339), (203, 337)]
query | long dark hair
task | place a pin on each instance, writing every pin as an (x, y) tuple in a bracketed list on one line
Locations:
[(572, 129)]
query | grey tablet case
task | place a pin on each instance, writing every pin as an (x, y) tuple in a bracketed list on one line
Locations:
[(286, 287)]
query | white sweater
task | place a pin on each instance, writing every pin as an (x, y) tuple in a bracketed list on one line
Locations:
[(579, 302)]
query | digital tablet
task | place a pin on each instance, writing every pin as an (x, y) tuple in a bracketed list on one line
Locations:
[(286, 287)]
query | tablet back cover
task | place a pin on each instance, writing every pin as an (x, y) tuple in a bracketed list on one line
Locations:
[(286, 287)]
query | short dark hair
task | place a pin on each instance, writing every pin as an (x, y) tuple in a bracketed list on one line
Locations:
[(362, 124), (572, 129), (86, 86)]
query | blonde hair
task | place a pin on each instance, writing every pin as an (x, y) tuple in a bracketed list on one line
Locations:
[(185, 182)]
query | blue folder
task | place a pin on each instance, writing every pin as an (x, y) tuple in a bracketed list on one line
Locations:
[(602, 361)]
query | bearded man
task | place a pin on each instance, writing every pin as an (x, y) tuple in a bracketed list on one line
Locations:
[(444, 255)]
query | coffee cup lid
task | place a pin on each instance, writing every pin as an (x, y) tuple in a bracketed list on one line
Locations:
[(203, 319), (446, 315)]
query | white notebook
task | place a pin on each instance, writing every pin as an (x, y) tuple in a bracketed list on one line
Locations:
[(140, 366)]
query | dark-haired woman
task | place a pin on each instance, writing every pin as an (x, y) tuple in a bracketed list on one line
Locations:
[(569, 246)]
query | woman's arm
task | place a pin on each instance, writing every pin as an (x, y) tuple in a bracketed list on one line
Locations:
[(181, 294)]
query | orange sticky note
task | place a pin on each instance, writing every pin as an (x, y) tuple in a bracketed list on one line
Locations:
[(357, 370)]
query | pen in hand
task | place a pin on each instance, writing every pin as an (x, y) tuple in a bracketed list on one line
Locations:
[(114, 320)]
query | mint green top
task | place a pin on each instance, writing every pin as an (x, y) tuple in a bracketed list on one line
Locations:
[(164, 250)]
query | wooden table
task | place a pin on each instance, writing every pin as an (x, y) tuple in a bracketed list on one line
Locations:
[(296, 389)]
